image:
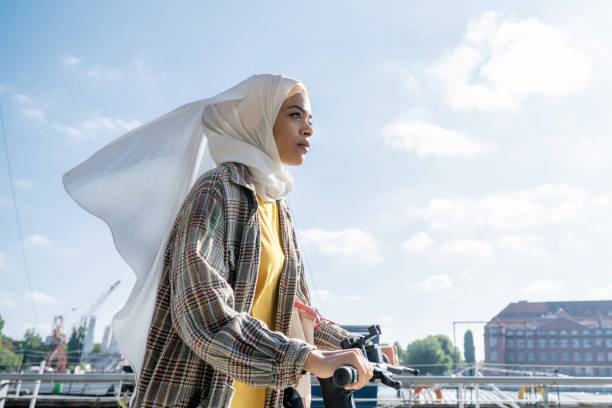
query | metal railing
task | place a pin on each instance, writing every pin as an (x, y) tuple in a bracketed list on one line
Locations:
[(455, 391)]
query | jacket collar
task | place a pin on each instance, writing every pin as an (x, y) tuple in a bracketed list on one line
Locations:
[(239, 174)]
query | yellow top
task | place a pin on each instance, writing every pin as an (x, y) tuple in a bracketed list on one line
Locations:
[(265, 303)]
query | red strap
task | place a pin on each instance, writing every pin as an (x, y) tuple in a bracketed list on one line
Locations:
[(311, 312)]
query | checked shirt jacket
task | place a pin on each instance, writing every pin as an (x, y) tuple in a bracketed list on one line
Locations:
[(201, 336)]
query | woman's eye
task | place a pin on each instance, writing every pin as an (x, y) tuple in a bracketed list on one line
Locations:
[(297, 115)]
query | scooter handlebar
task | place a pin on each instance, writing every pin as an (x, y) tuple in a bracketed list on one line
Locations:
[(344, 376)]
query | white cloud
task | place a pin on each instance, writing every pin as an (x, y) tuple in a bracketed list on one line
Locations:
[(352, 298), (23, 99), (40, 297), (417, 243), (436, 283), (34, 114), (71, 60), (23, 183), (89, 128), (601, 292), (347, 242), (426, 139), (7, 302), (530, 244), (322, 294), (542, 289), (499, 63), (541, 205), (38, 239), (468, 247), (105, 73)]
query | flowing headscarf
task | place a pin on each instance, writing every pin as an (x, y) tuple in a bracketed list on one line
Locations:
[(138, 182)]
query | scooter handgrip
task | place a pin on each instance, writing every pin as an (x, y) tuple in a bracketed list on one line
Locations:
[(344, 376)]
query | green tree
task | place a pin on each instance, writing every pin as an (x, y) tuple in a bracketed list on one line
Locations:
[(75, 345), (9, 361), (400, 350), (468, 347), (432, 355), (32, 347)]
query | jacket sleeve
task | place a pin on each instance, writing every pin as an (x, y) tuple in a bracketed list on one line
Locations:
[(328, 335), (202, 303)]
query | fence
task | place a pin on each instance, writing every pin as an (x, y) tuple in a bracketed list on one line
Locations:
[(513, 392)]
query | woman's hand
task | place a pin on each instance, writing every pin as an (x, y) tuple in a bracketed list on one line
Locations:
[(324, 363)]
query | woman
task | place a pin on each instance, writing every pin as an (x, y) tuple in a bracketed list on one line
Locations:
[(218, 268)]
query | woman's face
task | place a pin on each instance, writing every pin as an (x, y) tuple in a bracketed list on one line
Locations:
[(292, 129)]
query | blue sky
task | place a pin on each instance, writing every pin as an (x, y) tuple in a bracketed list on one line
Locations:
[(460, 161)]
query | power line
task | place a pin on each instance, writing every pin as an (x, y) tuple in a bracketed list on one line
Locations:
[(10, 175)]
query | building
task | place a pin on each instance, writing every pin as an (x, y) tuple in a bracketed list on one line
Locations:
[(89, 336), (574, 338)]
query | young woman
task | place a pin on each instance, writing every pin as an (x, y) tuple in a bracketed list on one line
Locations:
[(216, 256)]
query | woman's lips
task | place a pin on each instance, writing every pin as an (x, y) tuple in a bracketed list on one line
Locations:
[(304, 146)]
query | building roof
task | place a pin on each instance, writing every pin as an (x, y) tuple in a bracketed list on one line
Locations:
[(535, 314)]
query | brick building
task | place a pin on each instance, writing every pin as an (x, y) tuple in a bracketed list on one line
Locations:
[(575, 337)]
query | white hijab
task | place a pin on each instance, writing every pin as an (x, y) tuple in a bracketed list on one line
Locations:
[(138, 182)]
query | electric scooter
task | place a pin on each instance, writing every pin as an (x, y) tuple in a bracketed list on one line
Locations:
[(332, 389)]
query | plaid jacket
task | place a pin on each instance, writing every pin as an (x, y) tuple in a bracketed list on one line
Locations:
[(201, 335)]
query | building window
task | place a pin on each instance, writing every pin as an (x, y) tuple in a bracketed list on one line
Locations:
[(602, 371), (565, 356), (608, 332), (542, 356), (598, 332), (552, 333), (578, 370), (601, 357), (576, 356), (511, 357), (588, 357), (563, 343), (609, 342), (530, 332), (542, 343), (529, 343), (610, 357), (574, 332), (531, 356), (519, 332), (553, 343), (588, 371), (586, 342), (510, 343), (563, 333), (510, 333), (520, 343), (553, 356), (494, 356), (575, 343), (493, 341), (520, 356), (586, 332), (599, 342), (492, 331)]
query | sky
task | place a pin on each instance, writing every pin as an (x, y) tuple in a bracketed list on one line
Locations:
[(460, 160)]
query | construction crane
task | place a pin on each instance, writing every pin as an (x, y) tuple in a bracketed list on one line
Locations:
[(95, 305), (58, 340)]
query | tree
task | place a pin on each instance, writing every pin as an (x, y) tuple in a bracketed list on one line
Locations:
[(32, 347), (75, 345), (400, 350), (468, 347), (432, 355), (9, 361)]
